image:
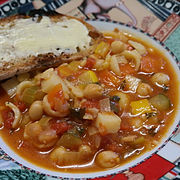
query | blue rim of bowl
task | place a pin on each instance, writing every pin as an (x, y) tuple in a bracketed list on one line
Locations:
[(127, 169)]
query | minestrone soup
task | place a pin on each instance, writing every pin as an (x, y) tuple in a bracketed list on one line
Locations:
[(93, 114)]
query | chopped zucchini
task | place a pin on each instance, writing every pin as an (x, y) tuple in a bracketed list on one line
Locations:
[(115, 98), (77, 131), (114, 106), (69, 141), (160, 102), (30, 94)]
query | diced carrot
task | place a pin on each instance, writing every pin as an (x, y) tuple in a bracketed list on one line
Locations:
[(114, 147), (8, 117), (60, 127), (54, 94), (108, 78), (125, 126), (126, 69), (21, 105), (90, 63), (150, 64), (90, 104)]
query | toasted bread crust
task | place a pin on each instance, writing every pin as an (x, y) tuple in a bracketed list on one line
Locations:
[(42, 61)]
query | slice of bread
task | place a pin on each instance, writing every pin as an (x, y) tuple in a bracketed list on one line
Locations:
[(12, 64)]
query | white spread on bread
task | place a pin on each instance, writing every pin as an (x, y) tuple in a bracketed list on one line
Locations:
[(26, 37)]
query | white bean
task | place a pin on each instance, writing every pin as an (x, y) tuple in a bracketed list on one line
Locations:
[(36, 110), (107, 159), (57, 155), (85, 149), (62, 156), (40, 137), (144, 89), (124, 99), (117, 47), (136, 122)]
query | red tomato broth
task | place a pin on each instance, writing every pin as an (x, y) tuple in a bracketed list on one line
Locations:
[(109, 79)]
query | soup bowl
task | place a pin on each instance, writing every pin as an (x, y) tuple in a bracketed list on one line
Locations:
[(103, 25)]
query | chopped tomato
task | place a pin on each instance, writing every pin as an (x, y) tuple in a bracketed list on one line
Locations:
[(54, 94), (150, 64), (125, 125), (60, 127), (115, 147), (108, 78), (8, 117), (126, 69), (109, 40), (90, 63), (21, 105), (90, 104)]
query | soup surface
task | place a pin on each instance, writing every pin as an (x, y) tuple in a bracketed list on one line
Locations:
[(93, 114)]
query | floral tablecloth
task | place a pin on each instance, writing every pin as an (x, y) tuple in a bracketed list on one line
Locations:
[(160, 18)]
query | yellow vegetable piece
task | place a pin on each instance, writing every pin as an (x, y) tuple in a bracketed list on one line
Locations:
[(74, 65), (88, 77), (65, 70), (69, 69), (102, 49), (140, 107)]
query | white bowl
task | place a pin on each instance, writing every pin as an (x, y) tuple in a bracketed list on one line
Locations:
[(108, 25)]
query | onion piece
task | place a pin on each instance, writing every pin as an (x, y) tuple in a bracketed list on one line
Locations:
[(138, 46), (132, 83), (97, 141), (17, 114), (114, 65), (10, 86)]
